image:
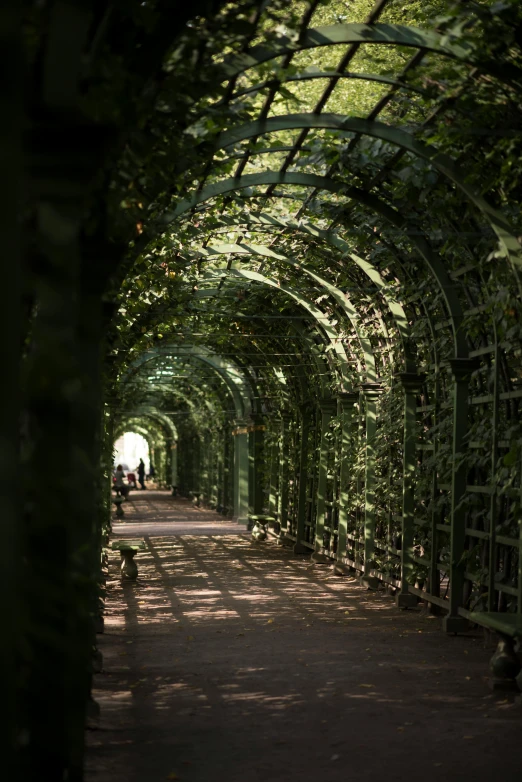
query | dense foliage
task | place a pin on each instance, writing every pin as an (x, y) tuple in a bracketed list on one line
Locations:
[(246, 235)]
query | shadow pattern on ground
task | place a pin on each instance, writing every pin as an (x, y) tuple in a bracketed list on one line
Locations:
[(230, 660)]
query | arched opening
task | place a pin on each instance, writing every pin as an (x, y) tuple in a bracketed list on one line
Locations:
[(129, 448)]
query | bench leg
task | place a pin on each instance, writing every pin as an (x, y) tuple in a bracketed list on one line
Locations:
[(129, 569), (505, 665)]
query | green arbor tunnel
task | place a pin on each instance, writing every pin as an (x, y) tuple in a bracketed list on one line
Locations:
[(300, 282)]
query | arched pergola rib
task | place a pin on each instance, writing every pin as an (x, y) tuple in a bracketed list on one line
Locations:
[(251, 384), (420, 243), (442, 162), (236, 385), (310, 74), (339, 297), (162, 418), (166, 388), (396, 309), (298, 374), (266, 220), (338, 34), (134, 423), (157, 386), (242, 366), (319, 316), (172, 390), (237, 390), (356, 34), (211, 292), (242, 359)]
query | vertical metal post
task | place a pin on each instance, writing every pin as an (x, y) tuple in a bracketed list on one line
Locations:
[(358, 554), (205, 466), (492, 563), (371, 391), (182, 461), (412, 385), (274, 488), (303, 477), (251, 469), (347, 402), (196, 469), (215, 468), (461, 369), (519, 589), (434, 578), (241, 473), (328, 409), (283, 470), (220, 470), (256, 434), (236, 474), (227, 487)]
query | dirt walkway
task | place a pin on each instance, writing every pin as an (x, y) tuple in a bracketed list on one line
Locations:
[(236, 661)]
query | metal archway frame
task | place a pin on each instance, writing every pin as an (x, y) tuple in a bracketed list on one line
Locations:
[(342, 299), (321, 319), (210, 292), (238, 388), (232, 378), (433, 262), (354, 33), (443, 163), (496, 221), (339, 297)]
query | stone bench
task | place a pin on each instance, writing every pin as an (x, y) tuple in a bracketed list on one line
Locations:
[(505, 665), (128, 550)]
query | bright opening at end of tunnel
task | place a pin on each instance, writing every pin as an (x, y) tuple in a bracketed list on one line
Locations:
[(129, 449)]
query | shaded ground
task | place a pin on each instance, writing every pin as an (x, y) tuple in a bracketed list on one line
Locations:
[(230, 660)]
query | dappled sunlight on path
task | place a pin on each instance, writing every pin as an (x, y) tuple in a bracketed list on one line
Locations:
[(231, 660)]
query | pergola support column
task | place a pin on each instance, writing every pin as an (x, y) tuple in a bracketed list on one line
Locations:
[(328, 410), (174, 464), (226, 489), (283, 471), (299, 548), (412, 385), (371, 391), (274, 496), (461, 369), (346, 406), (240, 434), (256, 434)]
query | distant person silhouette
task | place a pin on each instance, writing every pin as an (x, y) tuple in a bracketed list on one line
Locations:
[(152, 471), (141, 473), (119, 484)]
